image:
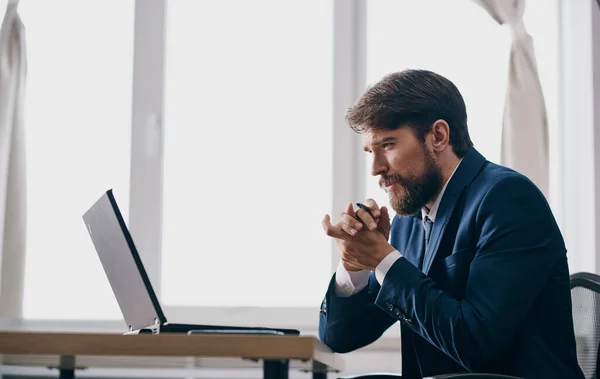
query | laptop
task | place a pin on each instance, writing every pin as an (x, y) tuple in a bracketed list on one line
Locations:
[(130, 283)]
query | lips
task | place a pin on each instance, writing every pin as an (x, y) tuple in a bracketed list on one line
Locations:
[(388, 185)]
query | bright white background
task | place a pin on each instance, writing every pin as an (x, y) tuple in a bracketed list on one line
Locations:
[(247, 160), (78, 127)]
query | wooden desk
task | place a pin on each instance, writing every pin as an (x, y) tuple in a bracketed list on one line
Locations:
[(68, 351)]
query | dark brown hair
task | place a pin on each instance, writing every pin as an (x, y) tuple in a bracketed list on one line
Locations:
[(414, 98)]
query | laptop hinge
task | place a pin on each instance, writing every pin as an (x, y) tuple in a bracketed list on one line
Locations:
[(153, 329)]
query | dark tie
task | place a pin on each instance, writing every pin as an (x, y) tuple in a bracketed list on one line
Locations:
[(427, 226)]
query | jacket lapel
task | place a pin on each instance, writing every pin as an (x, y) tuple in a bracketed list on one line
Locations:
[(465, 173)]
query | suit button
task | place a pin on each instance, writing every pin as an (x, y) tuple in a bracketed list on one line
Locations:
[(390, 306), (397, 312)]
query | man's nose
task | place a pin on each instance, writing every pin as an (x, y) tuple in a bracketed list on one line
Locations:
[(379, 166)]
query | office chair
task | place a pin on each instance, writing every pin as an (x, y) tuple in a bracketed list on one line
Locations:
[(585, 295)]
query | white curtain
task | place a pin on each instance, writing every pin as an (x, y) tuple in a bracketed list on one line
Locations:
[(525, 125), (12, 163)]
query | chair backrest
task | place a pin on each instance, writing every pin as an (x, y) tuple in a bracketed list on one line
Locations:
[(585, 295)]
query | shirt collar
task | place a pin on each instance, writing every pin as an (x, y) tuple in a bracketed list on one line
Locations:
[(431, 213)]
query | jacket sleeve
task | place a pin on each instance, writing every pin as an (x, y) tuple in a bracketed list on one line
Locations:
[(349, 323), (518, 246)]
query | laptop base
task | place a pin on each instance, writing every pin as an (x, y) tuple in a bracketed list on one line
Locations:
[(185, 328), (216, 329)]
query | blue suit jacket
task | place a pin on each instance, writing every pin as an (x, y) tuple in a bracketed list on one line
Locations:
[(492, 296)]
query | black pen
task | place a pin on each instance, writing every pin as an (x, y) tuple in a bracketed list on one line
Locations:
[(366, 209)]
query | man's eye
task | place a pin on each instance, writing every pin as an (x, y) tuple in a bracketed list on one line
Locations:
[(386, 145)]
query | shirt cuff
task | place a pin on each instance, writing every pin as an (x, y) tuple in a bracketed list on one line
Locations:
[(348, 283), (384, 266)]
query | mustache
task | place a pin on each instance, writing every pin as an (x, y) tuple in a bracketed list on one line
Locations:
[(385, 181)]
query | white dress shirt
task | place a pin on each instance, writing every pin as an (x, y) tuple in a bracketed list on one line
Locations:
[(348, 283)]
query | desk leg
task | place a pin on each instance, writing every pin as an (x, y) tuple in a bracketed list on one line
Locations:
[(67, 373), (276, 369), (67, 367)]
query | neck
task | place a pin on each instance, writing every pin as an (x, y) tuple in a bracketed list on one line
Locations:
[(447, 166)]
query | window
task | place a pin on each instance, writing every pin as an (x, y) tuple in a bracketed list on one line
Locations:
[(78, 117), (247, 156), (469, 48)]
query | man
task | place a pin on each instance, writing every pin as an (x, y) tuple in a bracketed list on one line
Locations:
[(475, 268)]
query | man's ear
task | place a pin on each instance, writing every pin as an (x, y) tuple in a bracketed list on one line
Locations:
[(440, 130)]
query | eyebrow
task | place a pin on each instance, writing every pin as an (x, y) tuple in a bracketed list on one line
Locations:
[(381, 141)]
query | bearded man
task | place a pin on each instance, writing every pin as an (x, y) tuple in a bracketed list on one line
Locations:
[(473, 265)]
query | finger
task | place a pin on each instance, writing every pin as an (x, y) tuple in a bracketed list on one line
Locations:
[(349, 224), (348, 229), (372, 204), (331, 230), (349, 210), (349, 217), (384, 223), (366, 218)]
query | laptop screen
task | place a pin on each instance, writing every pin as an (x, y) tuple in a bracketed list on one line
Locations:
[(122, 264)]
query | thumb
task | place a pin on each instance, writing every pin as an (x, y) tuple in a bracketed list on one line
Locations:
[(349, 210)]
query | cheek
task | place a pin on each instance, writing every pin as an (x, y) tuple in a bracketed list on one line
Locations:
[(407, 163)]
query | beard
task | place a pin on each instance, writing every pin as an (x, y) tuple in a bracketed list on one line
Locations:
[(410, 194)]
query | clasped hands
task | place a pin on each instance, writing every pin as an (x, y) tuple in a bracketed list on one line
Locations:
[(362, 240)]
